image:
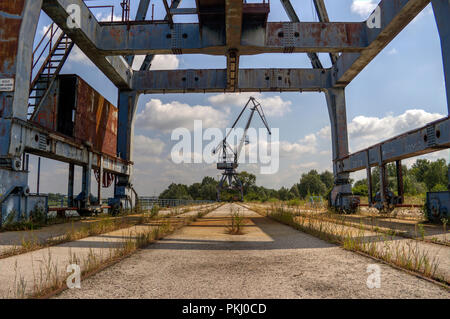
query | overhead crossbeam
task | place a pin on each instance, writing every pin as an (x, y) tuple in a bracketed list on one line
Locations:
[(394, 16), (187, 38), (215, 81)]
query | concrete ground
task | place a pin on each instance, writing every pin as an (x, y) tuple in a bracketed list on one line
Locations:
[(270, 260), (10, 240), (23, 274)]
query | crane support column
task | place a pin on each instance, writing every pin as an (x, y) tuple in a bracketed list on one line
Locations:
[(341, 195), (125, 134), (441, 13), (441, 10), (18, 21)]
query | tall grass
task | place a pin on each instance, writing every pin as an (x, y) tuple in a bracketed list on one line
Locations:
[(405, 255)]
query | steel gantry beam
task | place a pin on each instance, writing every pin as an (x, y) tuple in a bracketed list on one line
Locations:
[(215, 80)]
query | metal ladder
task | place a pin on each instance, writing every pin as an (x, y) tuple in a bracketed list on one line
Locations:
[(58, 46)]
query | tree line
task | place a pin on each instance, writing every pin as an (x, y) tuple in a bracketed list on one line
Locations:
[(423, 176)]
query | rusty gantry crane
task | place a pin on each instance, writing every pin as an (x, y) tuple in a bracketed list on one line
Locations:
[(230, 28), (229, 156)]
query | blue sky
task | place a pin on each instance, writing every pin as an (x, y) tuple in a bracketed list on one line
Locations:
[(403, 88)]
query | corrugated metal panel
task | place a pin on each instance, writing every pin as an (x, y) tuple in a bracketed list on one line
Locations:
[(94, 119), (47, 114)]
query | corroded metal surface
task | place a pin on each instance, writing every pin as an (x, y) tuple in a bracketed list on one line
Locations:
[(95, 119)]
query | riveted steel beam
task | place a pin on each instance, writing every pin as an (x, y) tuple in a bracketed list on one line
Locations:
[(215, 80), (430, 138), (41, 142), (189, 38)]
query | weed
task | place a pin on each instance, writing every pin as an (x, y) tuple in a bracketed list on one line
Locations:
[(237, 223)]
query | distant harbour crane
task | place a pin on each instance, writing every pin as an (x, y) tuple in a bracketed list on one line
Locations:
[(229, 156)]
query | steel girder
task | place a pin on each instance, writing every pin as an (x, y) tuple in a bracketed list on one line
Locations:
[(359, 42), (215, 80)]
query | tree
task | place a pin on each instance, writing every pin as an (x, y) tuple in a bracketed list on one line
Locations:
[(419, 168), (361, 188), (284, 194), (294, 191), (435, 174), (327, 178), (247, 179), (311, 183), (194, 190), (176, 191)]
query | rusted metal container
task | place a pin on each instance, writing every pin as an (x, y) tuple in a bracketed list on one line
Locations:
[(75, 109)]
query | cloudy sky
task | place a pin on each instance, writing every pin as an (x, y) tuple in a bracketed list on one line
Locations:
[(402, 89)]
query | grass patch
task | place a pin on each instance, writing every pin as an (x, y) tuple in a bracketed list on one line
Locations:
[(405, 255), (236, 224)]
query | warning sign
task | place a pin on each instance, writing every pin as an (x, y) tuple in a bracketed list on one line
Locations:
[(6, 85)]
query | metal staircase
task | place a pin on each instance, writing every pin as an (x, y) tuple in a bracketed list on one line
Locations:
[(58, 45)]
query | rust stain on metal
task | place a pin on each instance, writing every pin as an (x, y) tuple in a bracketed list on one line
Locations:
[(9, 37), (95, 119)]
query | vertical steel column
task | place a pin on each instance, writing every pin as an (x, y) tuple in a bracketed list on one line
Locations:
[(100, 181), (383, 185), (18, 24), (338, 119), (70, 185), (125, 134), (369, 180), (86, 183), (400, 189), (38, 176), (442, 13)]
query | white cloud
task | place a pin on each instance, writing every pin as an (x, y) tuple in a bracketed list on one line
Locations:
[(307, 145), (167, 117), (363, 7), (144, 145), (160, 62), (272, 105), (365, 131)]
